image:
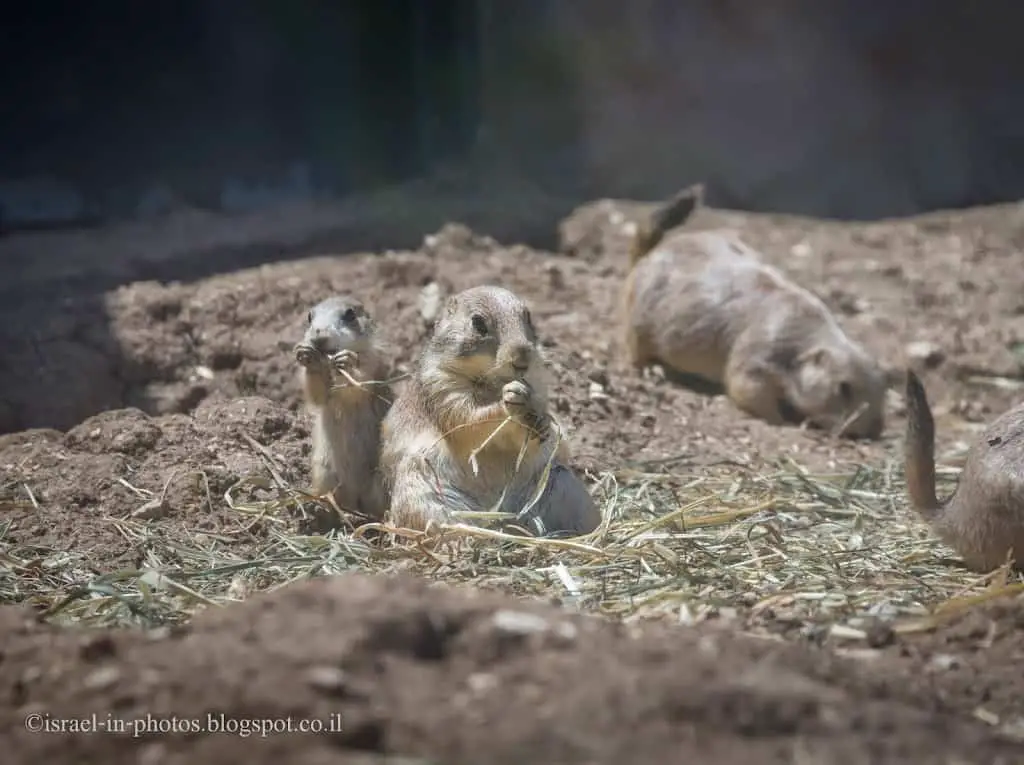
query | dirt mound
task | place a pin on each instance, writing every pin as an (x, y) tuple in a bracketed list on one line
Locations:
[(65, 491), (397, 667), (947, 281), (202, 411), (215, 347)]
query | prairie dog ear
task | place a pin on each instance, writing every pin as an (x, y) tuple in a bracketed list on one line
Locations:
[(818, 356)]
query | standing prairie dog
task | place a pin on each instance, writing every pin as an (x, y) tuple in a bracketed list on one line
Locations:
[(703, 303), (343, 378), (983, 521), (480, 367)]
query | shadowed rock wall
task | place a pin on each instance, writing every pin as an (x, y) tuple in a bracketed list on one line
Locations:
[(823, 107)]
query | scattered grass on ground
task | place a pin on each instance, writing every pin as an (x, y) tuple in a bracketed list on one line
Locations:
[(780, 549)]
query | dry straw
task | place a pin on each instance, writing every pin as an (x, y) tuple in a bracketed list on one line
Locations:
[(781, 548)]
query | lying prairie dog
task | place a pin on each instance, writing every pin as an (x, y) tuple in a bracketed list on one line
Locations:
[(344, 385), (703, 303), (983, 520), (481, 366)]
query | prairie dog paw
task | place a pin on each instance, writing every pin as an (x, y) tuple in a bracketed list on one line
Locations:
[(345, 360), (306, 354), (515, 397)]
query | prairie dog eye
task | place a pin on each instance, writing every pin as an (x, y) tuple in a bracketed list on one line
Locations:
[(349, 316), (309, 317), (479, 324), (846, 391)]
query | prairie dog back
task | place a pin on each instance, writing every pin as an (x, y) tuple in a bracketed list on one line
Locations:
[(704, 303), (702, 282), (983, 520)]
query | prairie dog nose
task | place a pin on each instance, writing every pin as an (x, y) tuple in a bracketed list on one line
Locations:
[(323, 340), (520, 356)]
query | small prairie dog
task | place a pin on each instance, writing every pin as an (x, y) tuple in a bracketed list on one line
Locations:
[(480, 366), (703, 303), (343, 379), (983, 520)]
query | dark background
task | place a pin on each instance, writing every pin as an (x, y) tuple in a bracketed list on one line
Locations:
[(822, 107), (117, 96), (175, 139)]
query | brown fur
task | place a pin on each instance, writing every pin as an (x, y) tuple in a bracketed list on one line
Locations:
[(984, 518), (341, 335), (481, 363), (665, 217), (704, 304)]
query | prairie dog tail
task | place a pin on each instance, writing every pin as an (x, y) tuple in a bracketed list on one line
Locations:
[(666, 216), (919, 450)]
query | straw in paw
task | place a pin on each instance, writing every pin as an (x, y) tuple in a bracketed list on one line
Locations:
[(344, 385), (471, 431)]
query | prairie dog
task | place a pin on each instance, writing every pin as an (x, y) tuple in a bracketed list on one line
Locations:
[(703, 303), (983, 520), (340, 340), (480, 365)]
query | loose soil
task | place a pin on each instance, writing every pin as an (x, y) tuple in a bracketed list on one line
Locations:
[(178, 390), (395, 667)]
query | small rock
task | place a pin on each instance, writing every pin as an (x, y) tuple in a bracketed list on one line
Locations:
[(945, 661), (522, 623), (519, 622), (327, 679), (430, 302), (239, 589), (104, 677), (708, 646), (566, 630), (801, 250), (925, 353), (152, 510), (597, 393), (479, 682)]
